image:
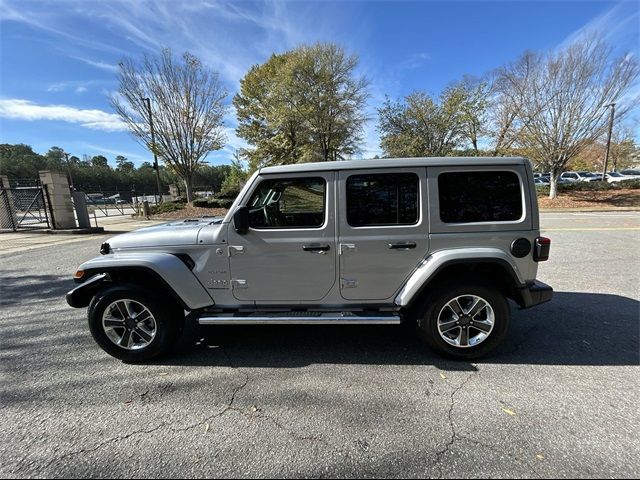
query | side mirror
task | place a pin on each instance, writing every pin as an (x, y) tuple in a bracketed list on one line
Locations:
[(241, 220)]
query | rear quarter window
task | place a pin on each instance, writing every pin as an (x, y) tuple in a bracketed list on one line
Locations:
[(473, 197)]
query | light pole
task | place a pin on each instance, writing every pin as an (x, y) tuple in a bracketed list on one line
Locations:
[(153, 143), (606, 156), (69, 170)]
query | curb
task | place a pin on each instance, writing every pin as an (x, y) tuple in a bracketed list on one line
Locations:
[(590, 210), (76, 231)]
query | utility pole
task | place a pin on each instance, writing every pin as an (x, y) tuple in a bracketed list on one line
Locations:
[(606, 157), (153, 143), (69, 170)]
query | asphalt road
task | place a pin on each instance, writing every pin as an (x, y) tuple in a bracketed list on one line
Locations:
[(559, 399)]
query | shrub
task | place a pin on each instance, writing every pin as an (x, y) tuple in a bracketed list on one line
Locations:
[(212, 203), (633, 183), (201, 202), (166, 207)]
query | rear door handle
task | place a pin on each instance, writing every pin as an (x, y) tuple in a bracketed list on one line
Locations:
[(316, 247), (402, 245)]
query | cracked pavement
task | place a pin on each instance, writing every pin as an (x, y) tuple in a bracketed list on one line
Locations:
[(558, 399)]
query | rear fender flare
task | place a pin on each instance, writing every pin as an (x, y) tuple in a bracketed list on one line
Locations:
[(437, 261)]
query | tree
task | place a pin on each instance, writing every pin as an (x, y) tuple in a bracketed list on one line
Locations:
[(420, 126), (99, 161), (472, 96), (187, 109), (236, 177), (561, 99), (124, 165), (624, 149), (300, 106)]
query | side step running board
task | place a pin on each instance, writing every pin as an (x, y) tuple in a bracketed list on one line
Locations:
[(318, 319)]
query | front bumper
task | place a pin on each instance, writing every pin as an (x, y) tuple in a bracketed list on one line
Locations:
[(535, 294), (81, 296)]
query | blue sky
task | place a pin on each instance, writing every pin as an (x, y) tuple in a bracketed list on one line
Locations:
[(58, 58)]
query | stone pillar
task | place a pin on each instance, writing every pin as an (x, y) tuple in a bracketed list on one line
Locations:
[(8, 218), (82, 213), (59, 196)]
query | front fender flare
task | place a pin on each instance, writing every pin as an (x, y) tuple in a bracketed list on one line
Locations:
[(168, 269), (440, 259)]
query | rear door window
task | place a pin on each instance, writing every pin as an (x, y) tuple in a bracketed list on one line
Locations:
[(382, 199)]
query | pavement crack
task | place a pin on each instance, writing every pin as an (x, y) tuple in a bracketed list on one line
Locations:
[(454, 435), (119, 438)]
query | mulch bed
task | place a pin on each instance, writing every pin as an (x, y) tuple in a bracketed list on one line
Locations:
[(593, 199)]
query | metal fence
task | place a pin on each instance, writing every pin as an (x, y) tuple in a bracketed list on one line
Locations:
[(111, 203), (23, 208)]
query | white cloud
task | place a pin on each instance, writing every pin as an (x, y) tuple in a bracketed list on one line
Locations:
[(414, 61), (612, 26), (101, 65), (19, 109)]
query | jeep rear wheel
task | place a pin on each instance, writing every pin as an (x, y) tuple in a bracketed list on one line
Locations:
[(463, 321), (131, 324)]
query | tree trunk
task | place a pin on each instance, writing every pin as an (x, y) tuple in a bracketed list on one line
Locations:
[(553, 187), (187, 186)]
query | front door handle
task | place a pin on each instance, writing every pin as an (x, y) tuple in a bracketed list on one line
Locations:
[(316, 247), (402, 245)]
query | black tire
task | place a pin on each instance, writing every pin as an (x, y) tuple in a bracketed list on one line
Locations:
[(168, 317), (434, 303)]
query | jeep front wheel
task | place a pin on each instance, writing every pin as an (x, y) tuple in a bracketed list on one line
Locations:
[(464, 321), (131, 324)]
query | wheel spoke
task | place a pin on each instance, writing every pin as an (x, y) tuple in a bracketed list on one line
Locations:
[(455, 306), (125, 341), (142, 317), (129, 308), (113, 322), (482, 326), (464, 337), (477, 307), (448, 326), (122, 308), (143, 334)]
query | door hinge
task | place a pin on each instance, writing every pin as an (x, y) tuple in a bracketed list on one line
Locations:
[(347, 247), (235, 250), (348, 283), (239, 284)]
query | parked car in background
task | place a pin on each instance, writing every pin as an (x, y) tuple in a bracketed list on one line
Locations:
[(631, 173), (541, 181), (580, 176)]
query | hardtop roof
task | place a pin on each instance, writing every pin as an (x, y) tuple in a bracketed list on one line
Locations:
[(395, 163)]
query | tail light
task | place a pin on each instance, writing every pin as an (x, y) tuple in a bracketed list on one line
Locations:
[(541, 250)]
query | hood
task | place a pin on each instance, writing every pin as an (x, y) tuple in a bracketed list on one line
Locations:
[(180, 232)]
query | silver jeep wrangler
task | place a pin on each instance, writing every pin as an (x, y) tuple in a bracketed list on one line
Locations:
[(442, 243)]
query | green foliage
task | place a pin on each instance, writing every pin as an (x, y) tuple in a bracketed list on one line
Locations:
[(633, 183), (166, 207), (236, 178), (420, 126), (20, 162), (201, 202), (212, 203), (300, 106)]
